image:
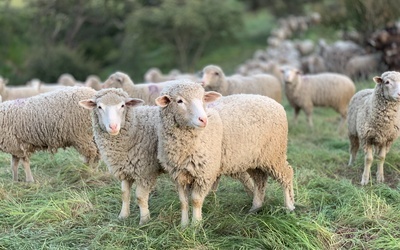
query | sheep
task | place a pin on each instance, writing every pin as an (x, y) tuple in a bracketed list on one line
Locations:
[(190, 142), (93, 82), (126, 136), (325, 90), (146, 91), (360, 67), (66, 80), (42, 122), (44, 87), (16, 92), (263, 84), (374, 122)]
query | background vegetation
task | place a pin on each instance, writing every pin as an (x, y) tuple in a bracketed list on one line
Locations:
[(71, 206), (44, 39)]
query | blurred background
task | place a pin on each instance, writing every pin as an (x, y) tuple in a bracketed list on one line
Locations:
[(46, 38)]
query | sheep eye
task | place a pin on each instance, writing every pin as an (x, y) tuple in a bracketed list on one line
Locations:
[(179, 101), (216, 73), (387, 82), (99, 107), (123, 105)]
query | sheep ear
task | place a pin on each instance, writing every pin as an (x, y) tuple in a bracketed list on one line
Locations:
[(378, 79), (133, 102), (211, 96), (87, 104), (299, 72), (163, 101)]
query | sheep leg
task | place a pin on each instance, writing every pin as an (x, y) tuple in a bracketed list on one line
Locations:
[(296, 114), (379, 174), (14, 166), (183, 192), (27, 167), (214, 187), (142, 197), (367, 164), (246, 180), (354, 146), (126, 198), (309, 117), (260, 185)]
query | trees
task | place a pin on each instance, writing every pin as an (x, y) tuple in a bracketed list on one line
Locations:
[(185, 27)]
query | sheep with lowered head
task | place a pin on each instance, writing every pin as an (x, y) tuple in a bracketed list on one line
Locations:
[(214, 79), (148, 92), (127, 139), (319, 90), (16, 92), (47, 122), (374, 121), (190, 142)]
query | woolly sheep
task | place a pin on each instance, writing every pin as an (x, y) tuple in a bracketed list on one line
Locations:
[(146, 91), (126, 136), (42, 122), (324, 90), (66, 80), (94, 82), (374, 122), (360, 67), (263, 84), (16, 92), (44, 87), (190, 142)]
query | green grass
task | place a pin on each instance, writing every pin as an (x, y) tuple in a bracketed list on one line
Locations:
[(71, 206)]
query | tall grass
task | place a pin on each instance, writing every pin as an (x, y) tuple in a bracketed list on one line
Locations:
[(71, 206)]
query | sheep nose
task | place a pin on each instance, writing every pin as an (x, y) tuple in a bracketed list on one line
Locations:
[(203, 120), (113, 127)]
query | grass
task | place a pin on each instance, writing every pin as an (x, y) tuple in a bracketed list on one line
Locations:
[(71, 206)]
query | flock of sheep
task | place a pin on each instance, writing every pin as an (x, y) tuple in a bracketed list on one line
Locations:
[(194, 129)]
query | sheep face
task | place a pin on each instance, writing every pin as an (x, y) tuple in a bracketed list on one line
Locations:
[(187, 105), (212, 76), (289, 74), (111, 110), (390, 84)]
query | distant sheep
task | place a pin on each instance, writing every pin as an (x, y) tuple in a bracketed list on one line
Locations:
[(16, 92), (373, 122), (191, 138), (127, 139), (263, 84), (47, 122), (148, 92), (323, 90), (94, 82), (361, 67)]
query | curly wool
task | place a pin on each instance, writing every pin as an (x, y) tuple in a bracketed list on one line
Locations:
[(261, 84), (255, 137), (47, 122)]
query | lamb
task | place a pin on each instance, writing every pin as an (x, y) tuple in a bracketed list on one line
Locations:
[(214, 79), (16, 92), (93, 82), (146, 91), (42, 123), (374, 122), (325, 90), (191, 140), (126, 136)]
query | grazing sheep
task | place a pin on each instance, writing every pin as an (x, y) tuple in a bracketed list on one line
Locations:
[(263, 84), (374, 121), (127, 139), (16, 92), (66, 80), (47, 122), (190, 142), (360, 67), (324, 90), (44, 87), (148, 92)]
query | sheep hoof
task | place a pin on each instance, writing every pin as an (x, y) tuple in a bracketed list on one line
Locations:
[(254, 210), (123, 216)]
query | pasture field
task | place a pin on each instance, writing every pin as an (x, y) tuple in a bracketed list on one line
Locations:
[(71, 206)]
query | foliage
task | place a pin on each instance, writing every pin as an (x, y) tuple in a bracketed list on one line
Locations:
[(365, 16), (186, 28), (49, 63)]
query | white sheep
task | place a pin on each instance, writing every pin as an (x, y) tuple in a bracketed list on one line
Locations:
[(324, 90), (190, 142), (126, 136), (16, 92), (361, 67), (47, 122), (44, 87), (374, 122), (214, 79), (93, 82), (145, 91)]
